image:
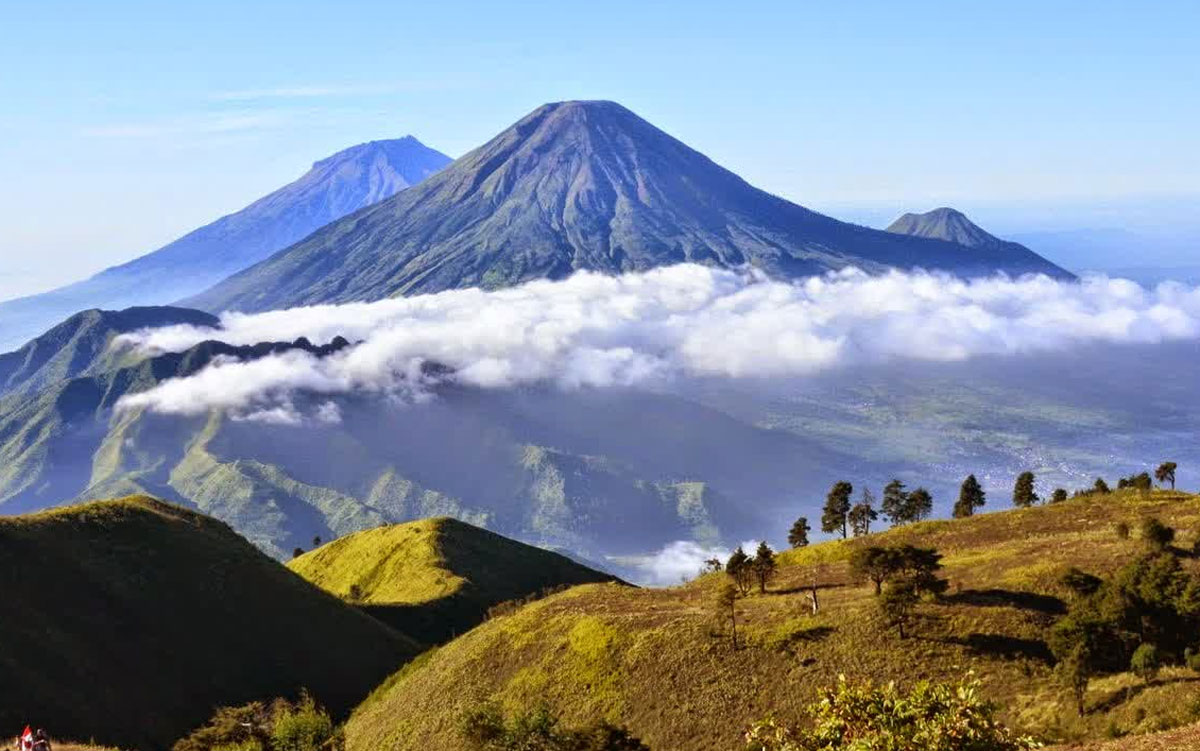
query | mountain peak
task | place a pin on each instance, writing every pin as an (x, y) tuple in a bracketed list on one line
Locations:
[(576, 185), (947, 224)]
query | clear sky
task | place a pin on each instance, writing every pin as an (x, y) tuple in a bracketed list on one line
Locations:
[(124, 124)]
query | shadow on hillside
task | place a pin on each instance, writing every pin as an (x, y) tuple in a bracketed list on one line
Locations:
[(802, 588), (1000, 598), (1129, 692), (805, 636), (1004, 647)]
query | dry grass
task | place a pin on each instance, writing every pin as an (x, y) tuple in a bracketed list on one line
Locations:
[(656, 661)]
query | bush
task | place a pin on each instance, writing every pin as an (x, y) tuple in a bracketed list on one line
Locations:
[(282, 726), (1191, 659), (930, 717), (1156, 534), (1145, 663), (1122, 530), (487, 729)]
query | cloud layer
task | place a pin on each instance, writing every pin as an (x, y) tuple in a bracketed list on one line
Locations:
[(594, 331)]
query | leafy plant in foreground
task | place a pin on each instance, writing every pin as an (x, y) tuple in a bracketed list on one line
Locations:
[(866, 717)]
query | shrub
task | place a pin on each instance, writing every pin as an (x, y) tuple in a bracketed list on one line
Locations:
[(1058, 496), (930, 717), (1145, 662), (1191, 659), (1122, 530), (487, 729), (282, 726), (1156, 534)]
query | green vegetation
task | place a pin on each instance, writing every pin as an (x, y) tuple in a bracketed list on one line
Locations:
[(435, 578), (128, 621), (663, 662), (970, 498), (798, 534), (487, 729), (279, 725), (930, 717), (1023, 492)]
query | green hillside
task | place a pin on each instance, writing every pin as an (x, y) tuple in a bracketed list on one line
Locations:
[(659, 662), (437, 577), (129, 621)]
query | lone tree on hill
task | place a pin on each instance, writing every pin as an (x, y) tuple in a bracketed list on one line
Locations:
[(895, 502), (918, 505), (970, 497), (1166, 473), (798, 535), (837, 508), (738, 568), (862, 514), (317, 541), (1100, 487), (1059, 495), (764, 565), (726, 607), (297, 552), (874, 564), (1023, 493)]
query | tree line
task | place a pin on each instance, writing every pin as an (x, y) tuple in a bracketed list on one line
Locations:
[(846, 517)]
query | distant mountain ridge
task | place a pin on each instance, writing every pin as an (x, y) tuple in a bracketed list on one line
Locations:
[(953, 226), (335, 186), (571, 186)]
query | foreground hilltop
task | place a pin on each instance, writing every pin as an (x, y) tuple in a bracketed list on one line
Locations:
[(435, 578), (571, 186), (129, 621), (661, 663)]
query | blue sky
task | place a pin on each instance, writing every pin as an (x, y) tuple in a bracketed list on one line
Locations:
[(125, 124)]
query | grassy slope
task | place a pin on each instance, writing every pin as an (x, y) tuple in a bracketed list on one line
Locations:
[(436, 577), (651, 658), (128, 621)]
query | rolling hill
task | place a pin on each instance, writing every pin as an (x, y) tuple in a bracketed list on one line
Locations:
[(576, 185), (335, 186), (129, 621), (659, 662), (435, 578)]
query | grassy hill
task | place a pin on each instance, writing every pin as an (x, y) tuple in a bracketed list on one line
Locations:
[(437, 577), (129, 621), (656, 661)]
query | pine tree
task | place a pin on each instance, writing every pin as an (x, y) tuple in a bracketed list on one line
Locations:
[(970, 497), (895, 502), (837, 507), (919, 505), (764, 565), (862, 514), (1023, 493), (798, 535), (738, 568)]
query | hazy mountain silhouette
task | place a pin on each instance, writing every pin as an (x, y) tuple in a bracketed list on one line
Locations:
[(951, 225), (334, 187), (576, 185)]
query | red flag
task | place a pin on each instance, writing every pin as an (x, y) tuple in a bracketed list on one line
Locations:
[(27, 738)]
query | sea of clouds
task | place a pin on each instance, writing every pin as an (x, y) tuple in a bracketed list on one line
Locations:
[(594, 331)]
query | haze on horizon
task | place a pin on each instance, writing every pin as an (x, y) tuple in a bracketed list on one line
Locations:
[(136, 123)]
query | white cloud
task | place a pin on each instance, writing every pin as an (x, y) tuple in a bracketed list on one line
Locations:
[(593, 331)]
